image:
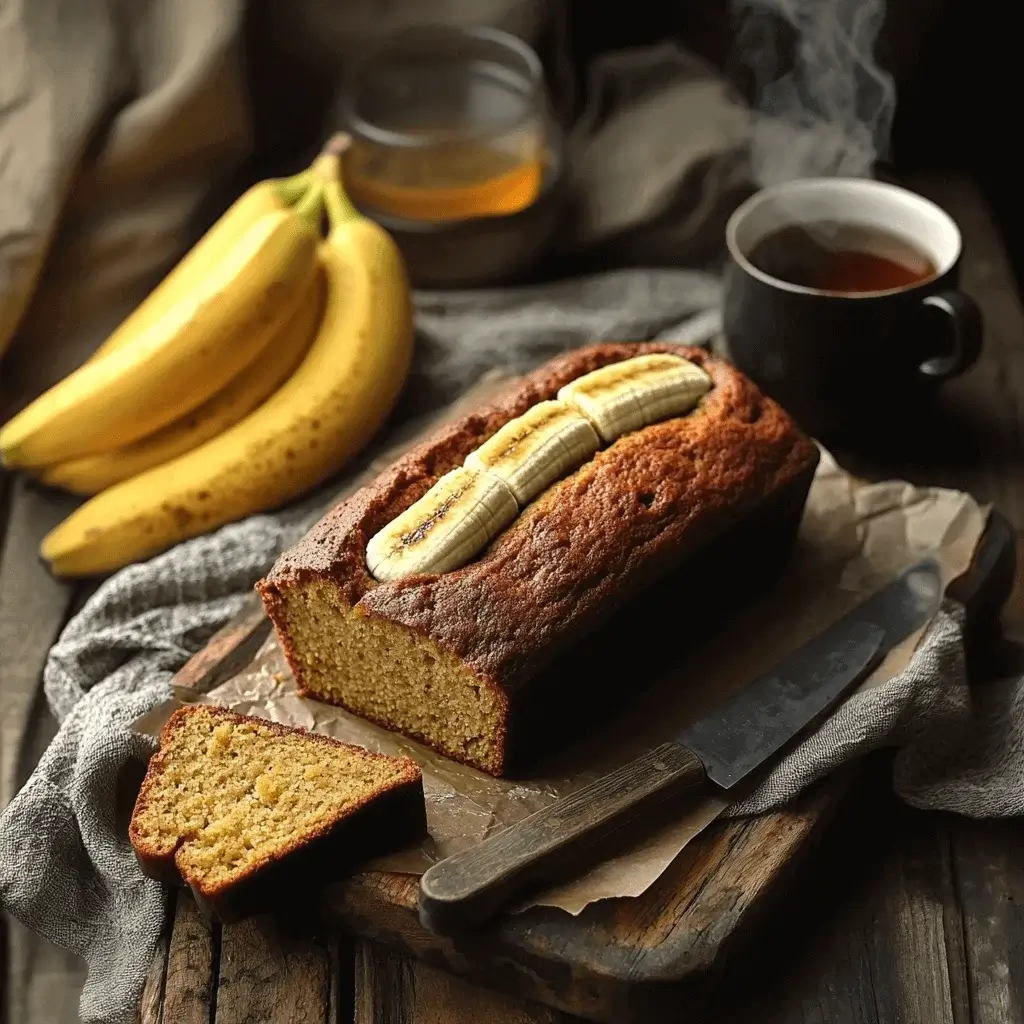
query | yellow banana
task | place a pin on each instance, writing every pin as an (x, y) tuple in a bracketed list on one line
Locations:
[(188, 274), (93, 473), (327, 411), (181, 360)]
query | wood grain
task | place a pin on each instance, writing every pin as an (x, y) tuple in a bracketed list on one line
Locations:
[(190, 984), (926, 935), (227, 652), (989, 879), (341, 979), (392, 989), (33, 608), (152, 1001), (272, 976), (874, 940)]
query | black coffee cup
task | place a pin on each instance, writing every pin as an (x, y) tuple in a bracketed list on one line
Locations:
[(838, 359)]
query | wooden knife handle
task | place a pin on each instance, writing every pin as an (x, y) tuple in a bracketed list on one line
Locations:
[(464, 889), (986, 585), (226, 653)]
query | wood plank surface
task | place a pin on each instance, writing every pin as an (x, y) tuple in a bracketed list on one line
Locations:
[(152, 1001), (871, 938), (271, 975), (256, 970), (33, 609), (393, 989), (988, 872), (190, 974)]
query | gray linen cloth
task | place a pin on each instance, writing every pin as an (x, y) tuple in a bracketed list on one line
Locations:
[(107, 148)]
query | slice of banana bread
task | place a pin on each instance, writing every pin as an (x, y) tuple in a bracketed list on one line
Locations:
[(250, 814)]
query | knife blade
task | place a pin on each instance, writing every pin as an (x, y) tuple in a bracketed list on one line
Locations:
[(739, 736)]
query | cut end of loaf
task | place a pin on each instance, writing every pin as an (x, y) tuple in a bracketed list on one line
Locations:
[(400, 679), (227, 795)]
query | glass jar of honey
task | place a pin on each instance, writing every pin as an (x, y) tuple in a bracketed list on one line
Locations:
[(447, 124)]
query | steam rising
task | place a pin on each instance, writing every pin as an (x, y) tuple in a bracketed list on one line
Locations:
[(823, 105)]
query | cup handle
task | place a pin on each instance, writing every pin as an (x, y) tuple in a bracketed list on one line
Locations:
[(965, 326)]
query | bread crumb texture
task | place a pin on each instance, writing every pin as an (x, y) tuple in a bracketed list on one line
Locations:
[(227, 794), (394, 676)]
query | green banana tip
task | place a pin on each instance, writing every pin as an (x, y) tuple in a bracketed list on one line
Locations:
[(311, 206), (10, 454), (339, 206), (328, 167), (292, 190)]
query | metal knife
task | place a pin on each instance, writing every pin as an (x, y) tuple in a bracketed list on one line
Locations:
[(719, 751)]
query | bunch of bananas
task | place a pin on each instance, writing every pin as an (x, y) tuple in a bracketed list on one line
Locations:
[(266, 359)]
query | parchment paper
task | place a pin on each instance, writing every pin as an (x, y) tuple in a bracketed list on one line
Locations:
[(854, 538)]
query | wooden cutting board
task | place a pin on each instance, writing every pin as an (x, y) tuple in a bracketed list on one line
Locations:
[(619, 960)]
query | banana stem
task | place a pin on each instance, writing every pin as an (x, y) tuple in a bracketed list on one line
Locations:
[(327, 167), (339, 206), (311, 205), (292, 189)]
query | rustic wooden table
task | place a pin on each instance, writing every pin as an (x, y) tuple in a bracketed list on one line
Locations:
[(900, 916)]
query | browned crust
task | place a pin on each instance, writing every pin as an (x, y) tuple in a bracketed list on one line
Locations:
[(164, 867), (587, 545)]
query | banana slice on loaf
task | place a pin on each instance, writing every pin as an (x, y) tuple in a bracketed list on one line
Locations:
[(635, 393), (531, 452), (455, 519)]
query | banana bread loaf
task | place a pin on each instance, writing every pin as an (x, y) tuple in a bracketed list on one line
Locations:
[(495, 661), (249, 813)]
